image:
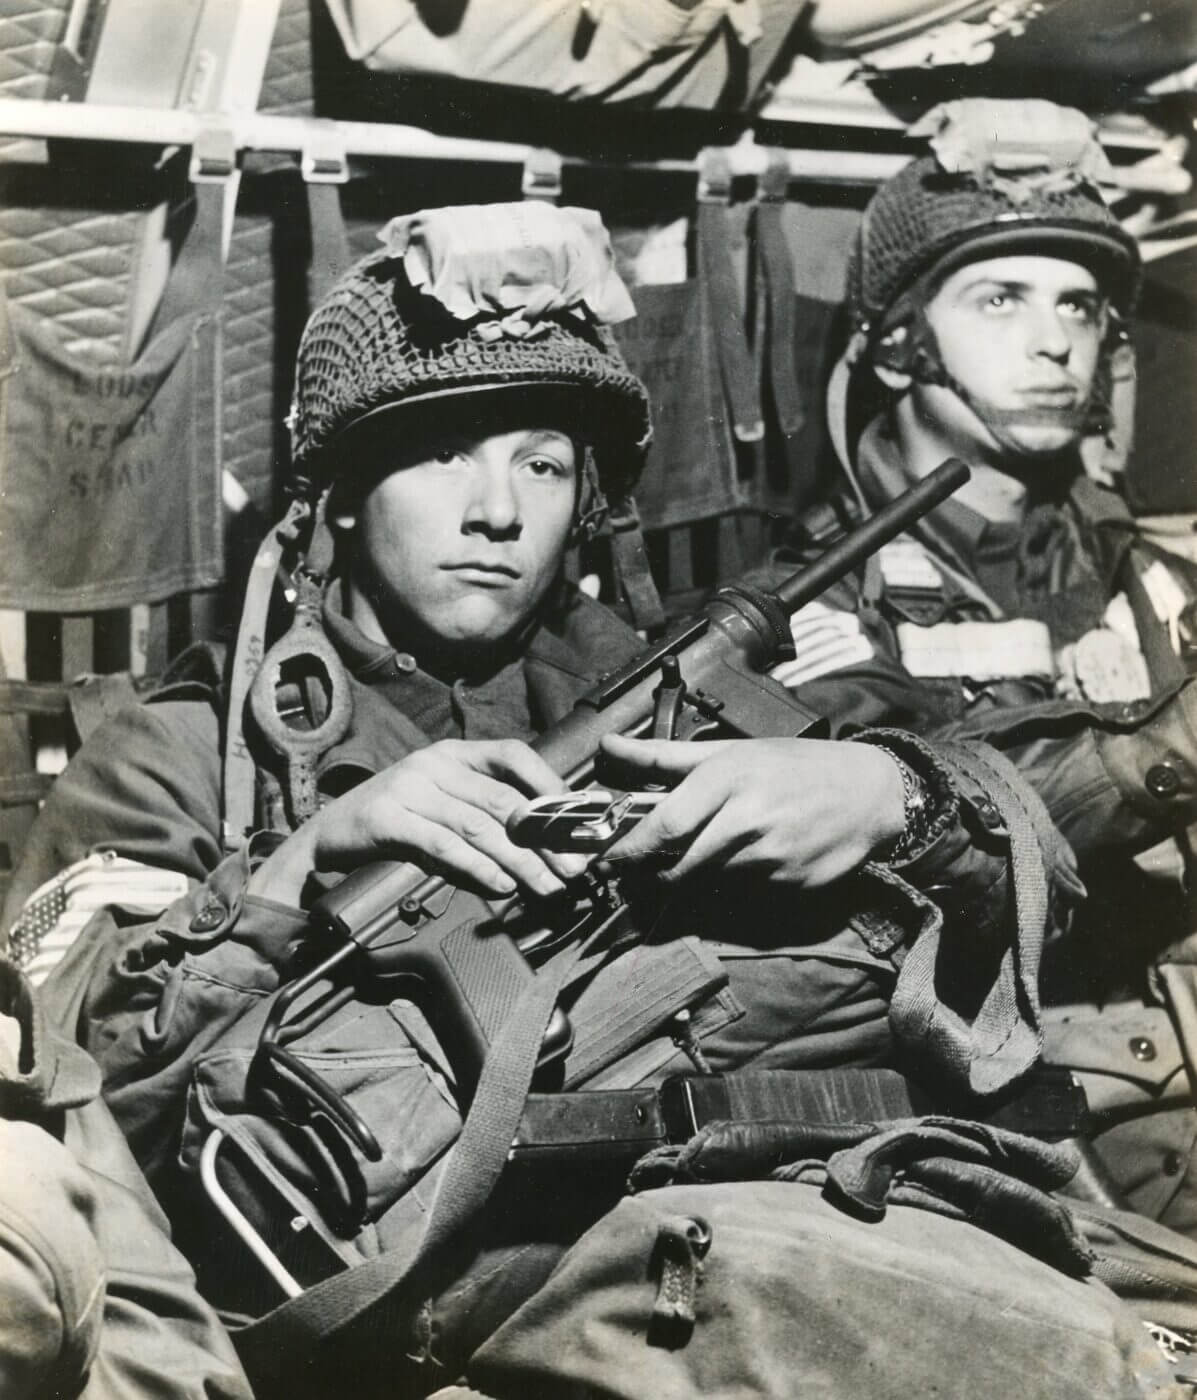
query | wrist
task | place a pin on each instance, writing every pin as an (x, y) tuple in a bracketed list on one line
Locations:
[(930, 799), (916, 806)]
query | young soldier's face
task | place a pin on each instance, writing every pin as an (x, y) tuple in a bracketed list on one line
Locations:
[(461, 542), (1020, 337)]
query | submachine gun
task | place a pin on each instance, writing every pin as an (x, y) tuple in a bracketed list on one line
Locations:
[(392, 925)]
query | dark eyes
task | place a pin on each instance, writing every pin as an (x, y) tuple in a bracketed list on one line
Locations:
[(540, 466), (547, 466), (1081, 309)]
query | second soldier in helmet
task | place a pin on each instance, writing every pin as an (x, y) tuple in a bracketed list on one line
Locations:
[(990, 290)]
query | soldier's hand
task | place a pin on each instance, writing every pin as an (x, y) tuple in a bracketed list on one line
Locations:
[(793, 811), (444, 807)]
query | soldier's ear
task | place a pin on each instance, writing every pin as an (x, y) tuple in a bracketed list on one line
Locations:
[(896, 380), (891, 359), (342, 508)]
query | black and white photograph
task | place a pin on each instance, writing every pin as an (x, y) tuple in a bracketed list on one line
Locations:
[(598, 734)]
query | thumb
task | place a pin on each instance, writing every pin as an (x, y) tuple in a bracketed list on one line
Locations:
[(662, 835), (659, 760)]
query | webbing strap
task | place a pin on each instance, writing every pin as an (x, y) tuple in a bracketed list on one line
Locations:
[(398, 1280), (18, 789), (777, 273), (1005, 1036), (33, 697), (331, 255), (719, 278), (1178, 983), (196, 280), (839, 387), (630, 558)]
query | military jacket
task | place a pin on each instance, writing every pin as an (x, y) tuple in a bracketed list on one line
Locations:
[(169, 1005), (1006, 630)]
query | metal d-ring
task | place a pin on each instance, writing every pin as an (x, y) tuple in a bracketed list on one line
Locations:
[(302, 748)]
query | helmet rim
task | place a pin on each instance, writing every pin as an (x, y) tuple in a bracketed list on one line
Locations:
[(376, 346), (1105, 254), (601, 425)]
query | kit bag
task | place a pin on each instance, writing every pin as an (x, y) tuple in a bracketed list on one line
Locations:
[(764, 1288), (111, 472)]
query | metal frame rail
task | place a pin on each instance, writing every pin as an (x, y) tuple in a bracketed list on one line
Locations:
[(1160, 172)]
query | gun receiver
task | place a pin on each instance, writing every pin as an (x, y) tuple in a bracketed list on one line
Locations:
[(397, 922)]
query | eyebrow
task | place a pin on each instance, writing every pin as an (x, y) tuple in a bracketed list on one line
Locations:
[(1012, 285), (551, 437)]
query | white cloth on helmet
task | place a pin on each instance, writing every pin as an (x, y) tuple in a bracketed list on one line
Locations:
[(514, 264)]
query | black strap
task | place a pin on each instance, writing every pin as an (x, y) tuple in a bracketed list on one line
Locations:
[(17, 789), (617, 1126), (630, 557), (777, 346), (717, 272), (325, 167), (331, 254)]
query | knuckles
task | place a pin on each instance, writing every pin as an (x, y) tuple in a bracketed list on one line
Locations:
[(474, 825)]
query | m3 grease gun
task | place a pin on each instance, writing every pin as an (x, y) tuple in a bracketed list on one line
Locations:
[(392, 924)]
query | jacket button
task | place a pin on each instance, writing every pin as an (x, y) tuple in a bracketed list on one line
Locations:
[(988, 813), (405, 663), (209, 918), (1162, 780), (1172, 1163), (1142, 1048)]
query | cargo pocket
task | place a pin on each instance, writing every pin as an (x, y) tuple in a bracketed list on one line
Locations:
[(352, 1121)]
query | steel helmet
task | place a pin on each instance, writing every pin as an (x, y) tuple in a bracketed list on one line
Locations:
[(510, 301)]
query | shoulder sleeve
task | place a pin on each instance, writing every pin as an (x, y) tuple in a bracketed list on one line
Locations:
[(145, 785), (146, 996)]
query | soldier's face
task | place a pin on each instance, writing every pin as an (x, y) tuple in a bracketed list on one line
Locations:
[(1020, 337), (462, 540)]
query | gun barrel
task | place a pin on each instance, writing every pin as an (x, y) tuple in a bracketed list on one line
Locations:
[(866, 539)]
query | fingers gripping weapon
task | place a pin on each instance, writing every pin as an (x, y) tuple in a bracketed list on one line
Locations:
[(394, 925)]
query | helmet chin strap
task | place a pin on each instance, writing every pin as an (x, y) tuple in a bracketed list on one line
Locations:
[(628, 553), (910, 347), (592, 502), (1000, 422)]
